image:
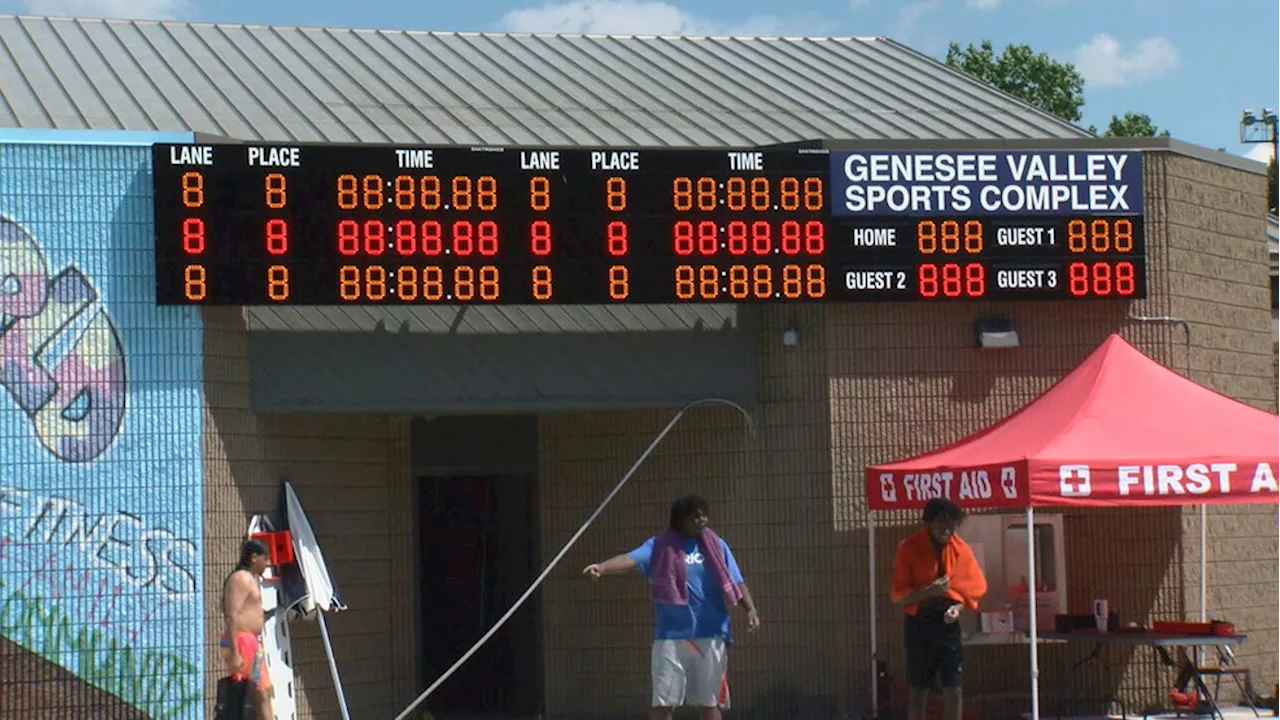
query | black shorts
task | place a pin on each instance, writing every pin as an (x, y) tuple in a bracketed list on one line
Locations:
[(934, 647)]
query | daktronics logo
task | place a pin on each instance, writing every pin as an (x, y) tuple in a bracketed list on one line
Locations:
[(1074, 481)]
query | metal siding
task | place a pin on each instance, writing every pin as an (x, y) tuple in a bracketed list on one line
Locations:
[(423, 373), (339, 85)]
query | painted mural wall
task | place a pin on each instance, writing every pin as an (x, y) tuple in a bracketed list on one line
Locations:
[(100, 445)]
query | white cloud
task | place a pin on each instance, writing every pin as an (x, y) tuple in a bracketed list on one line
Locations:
[(1103, 63), (983, 4), (859, 4), (121, 9), (909, 17), (640, 17)]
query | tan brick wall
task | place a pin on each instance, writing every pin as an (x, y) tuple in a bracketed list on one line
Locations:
[(352, 474), (1219, 281), (876, 382)]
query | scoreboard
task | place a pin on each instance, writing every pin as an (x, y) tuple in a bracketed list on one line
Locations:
[(383, 225)]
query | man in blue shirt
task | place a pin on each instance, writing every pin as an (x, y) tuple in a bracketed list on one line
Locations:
[(693, 579)]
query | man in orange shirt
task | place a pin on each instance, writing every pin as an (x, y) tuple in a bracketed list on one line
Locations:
[(935, 577)]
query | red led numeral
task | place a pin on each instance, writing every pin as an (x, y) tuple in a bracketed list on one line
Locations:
[(687, 235), (469, 237), (617, 242), (540, 238), (193, 236), (1101, 279), (952, 280), (277, 232)]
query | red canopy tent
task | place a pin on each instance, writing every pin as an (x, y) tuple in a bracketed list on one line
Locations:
[(1119, 430)]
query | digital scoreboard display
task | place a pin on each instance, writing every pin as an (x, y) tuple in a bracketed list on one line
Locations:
[(381, 225)]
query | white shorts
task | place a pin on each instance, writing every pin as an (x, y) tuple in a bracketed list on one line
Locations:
[(690, 672)]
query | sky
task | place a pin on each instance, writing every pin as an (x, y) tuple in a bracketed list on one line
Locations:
[(1192, 65)]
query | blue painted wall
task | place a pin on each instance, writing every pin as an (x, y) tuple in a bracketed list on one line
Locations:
[(101, 551)]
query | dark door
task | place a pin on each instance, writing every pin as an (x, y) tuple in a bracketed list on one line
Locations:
[(478, 556)]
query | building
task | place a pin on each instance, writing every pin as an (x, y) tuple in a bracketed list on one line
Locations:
[(534, 413)]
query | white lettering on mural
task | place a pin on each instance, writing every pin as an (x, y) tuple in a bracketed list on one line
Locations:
[(141, 554)]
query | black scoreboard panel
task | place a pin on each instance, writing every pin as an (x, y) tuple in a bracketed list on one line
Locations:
[(338, 225)]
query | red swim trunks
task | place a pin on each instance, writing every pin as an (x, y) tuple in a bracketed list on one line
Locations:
[(253, 662)]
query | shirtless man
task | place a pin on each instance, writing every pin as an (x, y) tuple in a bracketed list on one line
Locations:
[(241, 645)]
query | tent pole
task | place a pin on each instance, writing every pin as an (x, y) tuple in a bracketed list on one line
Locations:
[(1031, 613), (872, 608)]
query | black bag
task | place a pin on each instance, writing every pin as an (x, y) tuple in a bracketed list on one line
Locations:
[(235, 700)]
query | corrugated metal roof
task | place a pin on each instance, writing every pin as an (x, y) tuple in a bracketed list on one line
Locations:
[(379, 86)]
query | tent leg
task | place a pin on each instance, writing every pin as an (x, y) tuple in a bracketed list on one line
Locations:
[(1031, 614), (872, 609), (1204, 563), (333, 665)]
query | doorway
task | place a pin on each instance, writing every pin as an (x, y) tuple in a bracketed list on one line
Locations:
[(479, 553)]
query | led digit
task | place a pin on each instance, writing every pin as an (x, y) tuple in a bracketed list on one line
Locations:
[(274, 185), (737, 234), (973, 240), (790, 237), (487, 238), (463, 243), (1078, 279), (815, 237), (975, 280), (194, 283), (278, 283), (813, 196), (789, 194), (615, 190), (375, 237), (192, 189), (759, 194), (1126, 283), (406, 192), (277, 232), (432, 283), (792, 287), (1100, 236), (430, 196), (1077, 237), (684, 282), (735, 194), (619, 282), (816, 281), (1101, 279), (708, 282), (949, 237), (406, 238), (616, 238), (708, 238), (739, 282), (432, 238), (349, 283), (460, 195), (927, 237), (539, 194), (375, 283), (1122, 235), (348, 237), (464, 283), (540, 237), (193, 242), (490, 288), (762, 282), (541, 283), (707, 195), (487, 193), (951, 286), (371, 191), (348, 198), (407, 283), (682, 194), (761, 238), (927, 280), (682, 237)]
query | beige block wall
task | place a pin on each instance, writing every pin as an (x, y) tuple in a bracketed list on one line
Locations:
[(351, 472), (1219, 281), (875, 382)]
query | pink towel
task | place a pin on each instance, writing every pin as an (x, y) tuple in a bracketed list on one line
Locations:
[(670, 583)]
